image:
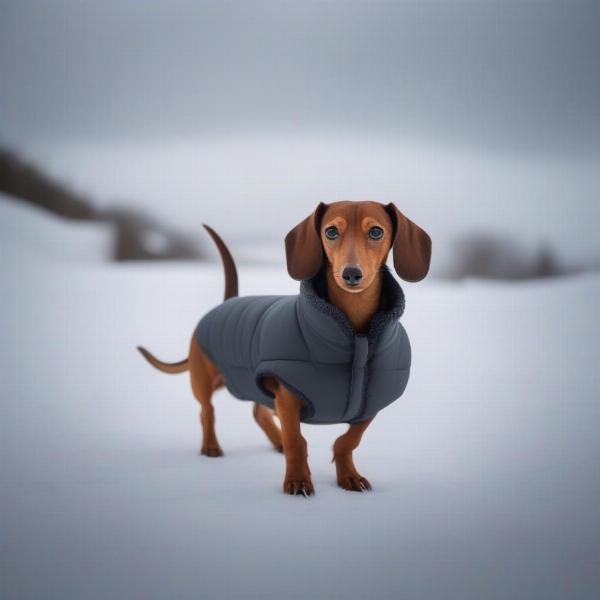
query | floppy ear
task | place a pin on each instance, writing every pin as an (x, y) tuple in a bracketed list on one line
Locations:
[(411, 247), (303, 248)]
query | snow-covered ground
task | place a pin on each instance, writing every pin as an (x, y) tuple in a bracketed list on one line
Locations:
[(486, 473), (28, 230)]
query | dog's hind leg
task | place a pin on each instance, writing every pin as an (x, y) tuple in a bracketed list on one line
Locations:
[(263, 415), (205, 379)]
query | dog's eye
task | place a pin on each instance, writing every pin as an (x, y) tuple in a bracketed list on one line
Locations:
[(332, 233), (375, 233)]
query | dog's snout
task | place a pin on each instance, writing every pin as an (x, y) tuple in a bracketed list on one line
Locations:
[(352, 274)]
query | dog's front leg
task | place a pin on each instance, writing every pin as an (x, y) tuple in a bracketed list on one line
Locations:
[(347, 475), (297, 473)]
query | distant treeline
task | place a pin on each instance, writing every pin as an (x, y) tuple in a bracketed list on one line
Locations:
[(486, 255), (137, 237)]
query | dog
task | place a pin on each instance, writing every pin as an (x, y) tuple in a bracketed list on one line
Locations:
[(334, 353)]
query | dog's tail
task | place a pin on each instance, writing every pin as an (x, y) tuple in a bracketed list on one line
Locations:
[(178, 367), (231, 290), (231, 276)]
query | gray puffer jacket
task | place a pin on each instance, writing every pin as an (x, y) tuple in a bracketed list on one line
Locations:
[(311, 348)]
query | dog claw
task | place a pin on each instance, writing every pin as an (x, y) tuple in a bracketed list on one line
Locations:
[(365, 484), (298, 488), (355, 484)]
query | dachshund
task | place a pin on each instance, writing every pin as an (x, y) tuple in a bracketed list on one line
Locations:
[(340, 250)]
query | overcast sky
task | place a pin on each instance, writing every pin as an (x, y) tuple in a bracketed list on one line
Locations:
[(497, 76)]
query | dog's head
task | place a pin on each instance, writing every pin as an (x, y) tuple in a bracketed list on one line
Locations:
[(356, 238)]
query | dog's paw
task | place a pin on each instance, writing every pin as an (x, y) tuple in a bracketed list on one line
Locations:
[(353, 482), (211, 451), (348, 478), (297, 487)]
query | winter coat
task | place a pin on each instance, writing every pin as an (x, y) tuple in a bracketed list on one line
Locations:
[(310, 346)]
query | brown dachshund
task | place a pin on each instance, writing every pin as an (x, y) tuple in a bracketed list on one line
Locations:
[(348, 242)]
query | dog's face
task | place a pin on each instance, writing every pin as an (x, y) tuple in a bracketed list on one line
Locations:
[(356, 238)]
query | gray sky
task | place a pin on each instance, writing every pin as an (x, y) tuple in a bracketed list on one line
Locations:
[(501, 77)]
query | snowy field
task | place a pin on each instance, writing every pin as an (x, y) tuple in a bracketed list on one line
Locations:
[(486, 473)]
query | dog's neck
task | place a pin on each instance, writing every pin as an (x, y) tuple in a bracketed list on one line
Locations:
[(358, 307)]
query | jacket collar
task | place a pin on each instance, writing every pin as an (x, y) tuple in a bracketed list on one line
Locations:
[(329, 323)]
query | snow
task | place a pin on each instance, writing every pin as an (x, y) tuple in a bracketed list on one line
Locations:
[(27, 229), (486, 473)]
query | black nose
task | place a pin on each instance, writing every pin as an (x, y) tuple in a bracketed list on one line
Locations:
[(352, 275)]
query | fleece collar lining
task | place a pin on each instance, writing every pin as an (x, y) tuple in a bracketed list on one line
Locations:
[(313, 292)]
